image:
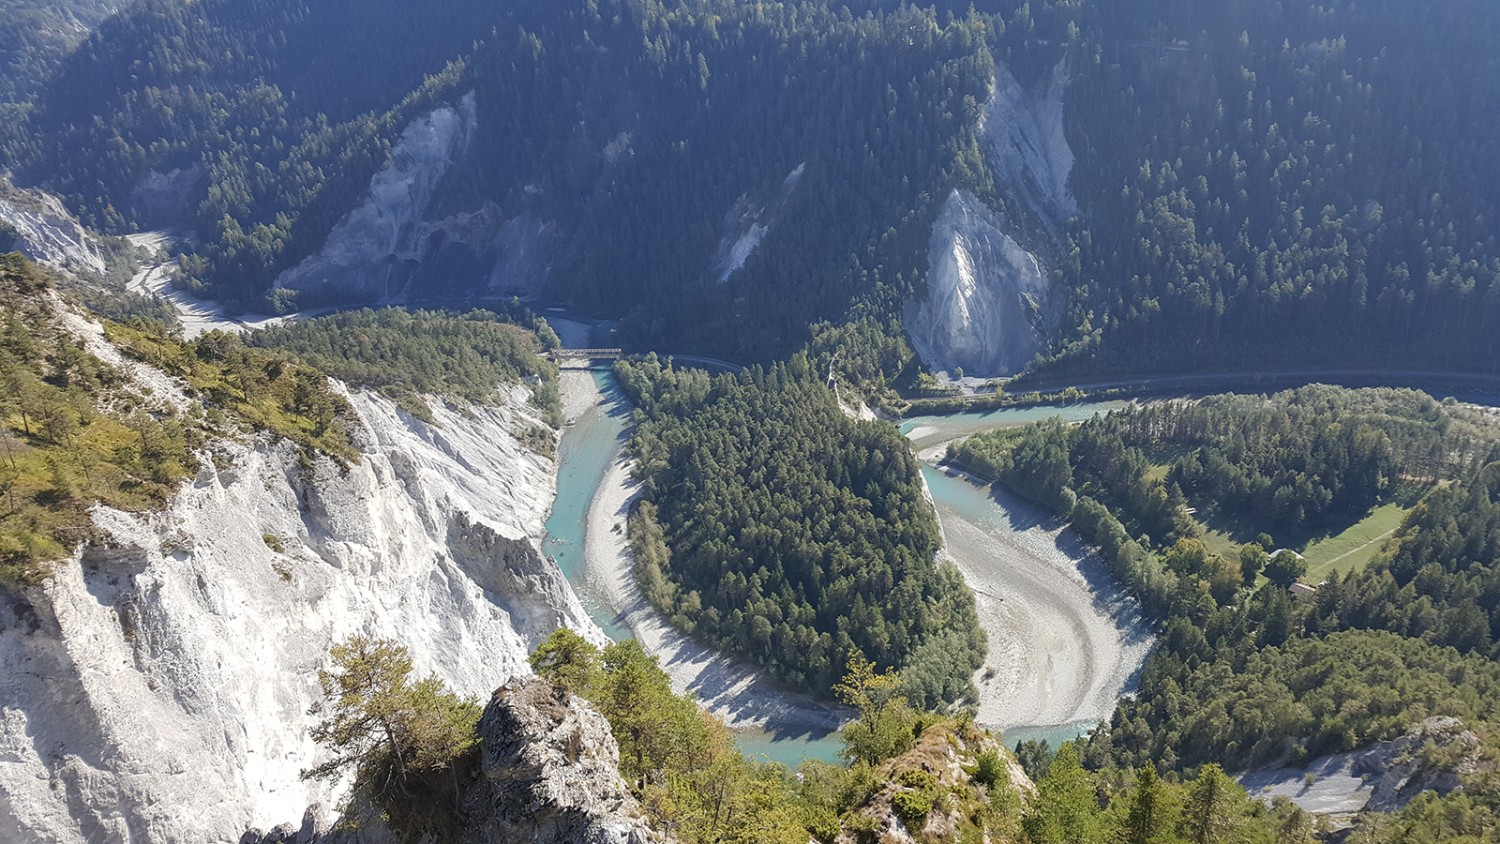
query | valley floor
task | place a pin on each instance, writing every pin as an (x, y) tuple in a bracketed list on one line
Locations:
[(1064, 643)]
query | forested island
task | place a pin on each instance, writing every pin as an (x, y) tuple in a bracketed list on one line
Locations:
[(782, 530)]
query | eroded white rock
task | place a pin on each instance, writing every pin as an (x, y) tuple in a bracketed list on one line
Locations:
[(157, 688), (988, 301)]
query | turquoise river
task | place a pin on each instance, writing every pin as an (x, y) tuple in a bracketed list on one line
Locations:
[(594, 440)]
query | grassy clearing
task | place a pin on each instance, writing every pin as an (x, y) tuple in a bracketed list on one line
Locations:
[(1221, 543), (1355, 546), (1337, 551)]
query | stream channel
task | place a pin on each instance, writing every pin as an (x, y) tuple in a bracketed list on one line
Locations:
[(1063, 644)]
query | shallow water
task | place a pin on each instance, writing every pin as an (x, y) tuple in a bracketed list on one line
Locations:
[(587, 449), (1064, 642), (588, 446), (927, 431)]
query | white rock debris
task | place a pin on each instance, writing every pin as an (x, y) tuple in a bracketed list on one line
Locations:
[(158, 687), (1028, 149), (747, 224), (988, 299)]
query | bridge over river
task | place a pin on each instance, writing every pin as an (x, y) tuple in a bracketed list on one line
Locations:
[(583, 358)]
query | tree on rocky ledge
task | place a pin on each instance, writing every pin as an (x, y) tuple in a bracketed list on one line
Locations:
[(408, 742)]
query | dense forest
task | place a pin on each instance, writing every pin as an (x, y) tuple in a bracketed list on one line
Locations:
[(791, 535), (409, 354), (1298, 184), (35, 37), (1245, 674)]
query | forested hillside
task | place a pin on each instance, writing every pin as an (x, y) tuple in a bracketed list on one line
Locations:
[(791, 535), (1299, 184), (35, 36), (638, 126), (410, 354)]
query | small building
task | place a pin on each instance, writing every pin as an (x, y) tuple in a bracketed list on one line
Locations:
[(1302, 590)]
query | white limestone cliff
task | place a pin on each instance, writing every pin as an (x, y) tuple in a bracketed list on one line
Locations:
[(157, 688), (988, 300), (988, 307), (361, 258), (45, 231)]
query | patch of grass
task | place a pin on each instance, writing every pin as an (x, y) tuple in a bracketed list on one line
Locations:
[(1338, 550), (262, 388), (72, 435), (1221, 542), (1355, 546)]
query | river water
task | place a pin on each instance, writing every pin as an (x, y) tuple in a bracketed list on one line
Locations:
[(588, 447), (999, 544)]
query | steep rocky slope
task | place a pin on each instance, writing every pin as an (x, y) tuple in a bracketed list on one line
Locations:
[(550, 773), (157, 687), (988, 308), (391, 247), (930, 793)]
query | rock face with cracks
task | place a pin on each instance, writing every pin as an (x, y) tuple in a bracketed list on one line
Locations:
[(550, 773), (157, 687), (988, 308), (988, 304)]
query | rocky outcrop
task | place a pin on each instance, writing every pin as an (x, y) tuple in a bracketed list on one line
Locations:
[(942, 763), (388, 249), (550, 774), (47, 233), (1436, 755), (166, 198), (157, 688), (988, 305), (363, 258)]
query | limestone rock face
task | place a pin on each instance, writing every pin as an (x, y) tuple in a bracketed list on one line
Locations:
[(988, 304), (550, 773), (1436, 755), (988, 308), (157, 688), (48, 233)]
